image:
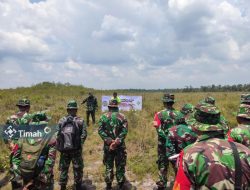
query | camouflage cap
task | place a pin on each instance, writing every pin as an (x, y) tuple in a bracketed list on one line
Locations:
[(206, 118), (72, 104), (245, 99), (23, 102), (209, 100), (168, 98), (113, 103), (180, 118), (244, 111), (187, 108)]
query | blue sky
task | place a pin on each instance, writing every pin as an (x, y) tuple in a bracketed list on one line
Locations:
[(126, 43)]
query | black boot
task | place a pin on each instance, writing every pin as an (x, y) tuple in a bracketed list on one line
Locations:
[(120, 185), (108, 186), (63, 187), (78, 186)]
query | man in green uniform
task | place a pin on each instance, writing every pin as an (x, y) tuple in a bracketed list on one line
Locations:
[(180, 135), (34, 157), (91, 103), (212, 162), (164, 120), (71, 136), (22, 117), (113, 129), (241, 133)]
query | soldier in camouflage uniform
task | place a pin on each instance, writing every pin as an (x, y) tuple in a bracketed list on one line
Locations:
[(212, 162), (164, 120), (74, 156), (241, 133), (92, 105), (208, 100), (181, 135), (34, 158), (113, 129), (21, 117), (245, 99)]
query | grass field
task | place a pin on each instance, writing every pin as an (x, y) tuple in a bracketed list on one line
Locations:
[(141, 140)]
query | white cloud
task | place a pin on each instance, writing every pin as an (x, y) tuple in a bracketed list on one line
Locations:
[(72, 65), (137, 44)]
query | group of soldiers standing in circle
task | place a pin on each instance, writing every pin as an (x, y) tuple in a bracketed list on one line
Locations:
[(204, 152), (196, 141)]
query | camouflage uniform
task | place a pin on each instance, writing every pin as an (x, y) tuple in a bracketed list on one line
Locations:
[(245, 99), (241, 133), (164, 120), (76, 156), (113, 128), (92, 105), (20, 118), (43, 179), (209, 163), (181, 135)]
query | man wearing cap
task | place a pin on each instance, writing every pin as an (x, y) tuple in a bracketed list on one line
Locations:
[(245, 99), (67, 124), (241, 133), (91, 103), (180, 135), (212, 162), (209, 100), (21, 117), (113, 129), (40, 150), (164, 120)]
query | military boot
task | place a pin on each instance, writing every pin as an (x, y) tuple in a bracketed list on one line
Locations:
[(63, 187), (108, 186), (78, 186), (120, 186)]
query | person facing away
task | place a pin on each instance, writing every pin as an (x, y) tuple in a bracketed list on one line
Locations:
[(92, 106), (241, 133), (71, 135), (163, 121), (34, 158), (212, 162), (113, 129)]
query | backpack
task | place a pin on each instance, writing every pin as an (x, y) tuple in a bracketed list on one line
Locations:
[(30, 156), (68, 138)]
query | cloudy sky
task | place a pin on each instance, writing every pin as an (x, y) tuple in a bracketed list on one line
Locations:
[(109, 44)]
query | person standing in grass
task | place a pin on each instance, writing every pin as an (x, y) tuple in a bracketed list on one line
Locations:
[(113, 129), (180, 135), (92, 105), (212, 162), (116, 98), (163, 120), (241, 133), (71, 136), (21, 117)]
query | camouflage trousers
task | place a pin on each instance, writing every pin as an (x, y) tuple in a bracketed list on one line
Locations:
[(77, 162), (117, 157), (163, 163)]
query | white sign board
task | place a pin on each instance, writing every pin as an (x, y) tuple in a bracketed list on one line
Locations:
[(127, 103)]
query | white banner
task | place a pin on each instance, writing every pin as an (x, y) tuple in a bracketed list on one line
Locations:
[(127, 103)]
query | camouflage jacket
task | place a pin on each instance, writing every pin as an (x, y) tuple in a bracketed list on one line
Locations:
[(240, 134), (49, 153), (20, 118), (164, 120), (112, 126), (80, 123), (209, 164), (178, 138), (91, 103)]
